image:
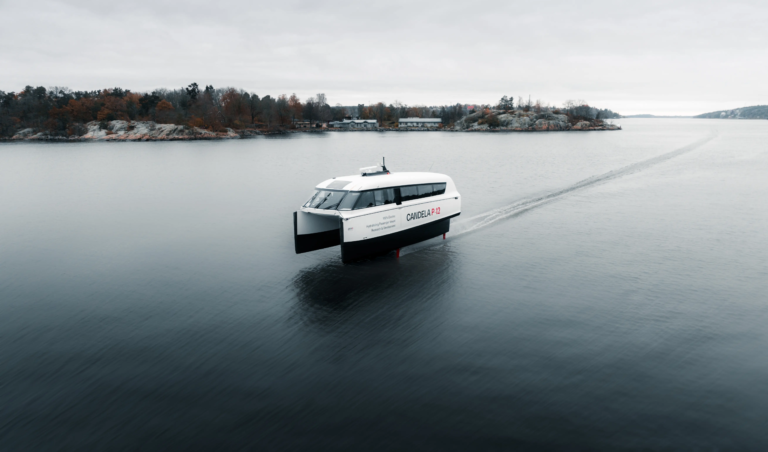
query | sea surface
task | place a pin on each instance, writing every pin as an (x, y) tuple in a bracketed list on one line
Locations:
[(600, 291)]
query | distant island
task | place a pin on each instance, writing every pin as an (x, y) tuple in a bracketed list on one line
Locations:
[(534, 121), (196, 113), (754, 112)]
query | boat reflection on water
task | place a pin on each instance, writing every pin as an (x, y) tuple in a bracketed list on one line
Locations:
[(389, 288)]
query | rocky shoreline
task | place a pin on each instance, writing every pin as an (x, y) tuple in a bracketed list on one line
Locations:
[(151, 131), (135, 131)]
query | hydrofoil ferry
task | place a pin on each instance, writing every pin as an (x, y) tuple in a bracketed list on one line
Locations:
[(375, 212)]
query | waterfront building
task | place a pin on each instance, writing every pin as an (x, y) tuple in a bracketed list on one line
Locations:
[(419, 122), (355, 124)]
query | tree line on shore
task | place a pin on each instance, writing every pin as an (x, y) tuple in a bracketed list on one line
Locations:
[(63, 112)]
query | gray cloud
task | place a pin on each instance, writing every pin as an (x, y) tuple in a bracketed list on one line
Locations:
[(655, 56)]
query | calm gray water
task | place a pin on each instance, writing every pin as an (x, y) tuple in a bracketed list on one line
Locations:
[(601, 290)]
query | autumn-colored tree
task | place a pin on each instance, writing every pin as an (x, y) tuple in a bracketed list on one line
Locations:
[(81, 110), (378, 112), (414, 112), (294, 104), (116, 106), (233, 107), (164, 112), (105, 114), (368, 112), (195, 121), (164, 105), (59, 119), (60, 114)]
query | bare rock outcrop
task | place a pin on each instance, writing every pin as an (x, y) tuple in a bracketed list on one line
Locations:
[(150, 131), (516, 121), (23, 134), (582, 125), (546, 124), (135, 131)]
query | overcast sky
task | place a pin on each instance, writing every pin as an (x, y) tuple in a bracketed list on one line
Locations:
[(662, 57)]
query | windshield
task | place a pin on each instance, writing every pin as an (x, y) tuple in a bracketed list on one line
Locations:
[(325, 199)]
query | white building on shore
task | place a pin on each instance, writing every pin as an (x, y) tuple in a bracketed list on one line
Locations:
[(419, 122), (355, 124)]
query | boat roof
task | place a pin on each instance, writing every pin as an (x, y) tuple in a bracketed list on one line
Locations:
[(369, 182)]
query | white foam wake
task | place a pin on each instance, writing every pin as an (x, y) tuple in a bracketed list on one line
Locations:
[(482, 220)]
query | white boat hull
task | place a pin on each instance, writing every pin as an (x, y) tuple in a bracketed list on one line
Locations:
[(376, 230)]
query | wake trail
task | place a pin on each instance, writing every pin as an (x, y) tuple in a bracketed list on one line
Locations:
[(482, 220)]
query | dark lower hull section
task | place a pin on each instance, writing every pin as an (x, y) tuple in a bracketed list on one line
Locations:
[(305, 243), (353, 251)]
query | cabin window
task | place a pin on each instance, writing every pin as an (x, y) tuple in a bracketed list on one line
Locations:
[(372, 198), (378, 196), (384, 196), (409, 193), (425, 190), (325, 199), (348, 203), (412, 192), (365, 200)]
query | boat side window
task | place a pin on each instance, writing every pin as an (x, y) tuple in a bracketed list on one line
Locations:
[(387, 196), (425, 190), (365, 200), (409, 193), (348, 203), (373, 198), (378, 196)]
